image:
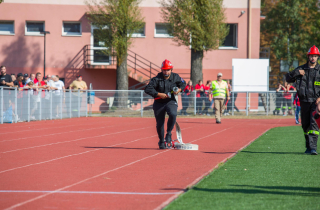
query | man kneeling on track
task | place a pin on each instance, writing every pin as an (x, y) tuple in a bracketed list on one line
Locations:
[(159, 87)]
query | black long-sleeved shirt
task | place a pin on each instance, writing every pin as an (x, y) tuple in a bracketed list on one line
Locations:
[(307, 86), (159, 84)]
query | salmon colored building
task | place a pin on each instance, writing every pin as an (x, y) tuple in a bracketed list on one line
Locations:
[(71, 47)]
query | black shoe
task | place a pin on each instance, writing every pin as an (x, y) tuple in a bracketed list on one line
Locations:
[(161, 145), (313, 152), (308, 151), (168, 141), (218, 122)]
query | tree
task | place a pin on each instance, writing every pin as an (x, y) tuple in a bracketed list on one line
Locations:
[(290, 29), (117, 20), (196, 23)]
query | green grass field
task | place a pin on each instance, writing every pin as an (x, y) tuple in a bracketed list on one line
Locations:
[(272, 173)]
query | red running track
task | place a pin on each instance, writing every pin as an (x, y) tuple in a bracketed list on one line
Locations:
[(112, 163)]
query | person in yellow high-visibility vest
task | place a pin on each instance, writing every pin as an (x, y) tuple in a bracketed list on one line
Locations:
[(219, 90)]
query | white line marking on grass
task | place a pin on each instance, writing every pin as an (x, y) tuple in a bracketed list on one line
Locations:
[(87, 192), (62, 142), (93, 177)]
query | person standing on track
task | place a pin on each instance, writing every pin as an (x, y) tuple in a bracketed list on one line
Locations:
[(307, 78), (220, 91), (158, 88)]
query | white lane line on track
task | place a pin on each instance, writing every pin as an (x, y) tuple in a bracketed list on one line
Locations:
[(62, 142), (36, 123), (211, 134), (74, 154), (93, 177), (80, 153), (31, 137), (82, 181), (64, 126), (87, 192)]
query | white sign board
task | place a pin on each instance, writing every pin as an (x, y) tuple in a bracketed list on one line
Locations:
[(250, 75)]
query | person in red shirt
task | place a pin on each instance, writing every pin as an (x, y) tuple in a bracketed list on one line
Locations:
[(199, 96), (185, 97), (40, 85), (296, 104), (287, 98)]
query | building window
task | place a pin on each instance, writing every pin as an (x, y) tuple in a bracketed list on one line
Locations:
[(71, 29), (140, 32), (231, 39), (34, 28), (162, 30), (7, 27)]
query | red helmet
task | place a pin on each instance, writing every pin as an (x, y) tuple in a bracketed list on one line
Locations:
[(166, 65), (313, 51)]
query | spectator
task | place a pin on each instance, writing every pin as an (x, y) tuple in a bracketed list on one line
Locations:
[(219, 92), (207, 102), (19, 81), (185, 97), (199, 96), (78, 84), (5, 79), (50, 80), (25, 79), (20, 109), (296, 104), (58, 87), (278, 100), (32, 78), (287, 98), (45, 79), (34, 98), (40, 84), (228, 102), (13, 77)]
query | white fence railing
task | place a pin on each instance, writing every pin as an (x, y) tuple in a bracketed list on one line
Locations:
[(27, 105)]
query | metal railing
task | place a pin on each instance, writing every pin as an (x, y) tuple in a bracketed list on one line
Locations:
[(31, 104), (27, 105)]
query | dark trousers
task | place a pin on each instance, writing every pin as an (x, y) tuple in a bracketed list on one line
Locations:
[(185, 103), (199, 104), (286, 103), (278, 102), (234, 102), (207, 105), (160, 110), (309, 124)]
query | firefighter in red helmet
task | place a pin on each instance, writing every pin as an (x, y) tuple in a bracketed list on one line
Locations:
[(163, 87), (307, 78)]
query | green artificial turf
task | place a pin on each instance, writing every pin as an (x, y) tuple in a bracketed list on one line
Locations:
[(272, 173)]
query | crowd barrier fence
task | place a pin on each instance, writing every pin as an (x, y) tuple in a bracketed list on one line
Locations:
[(28, 105)]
